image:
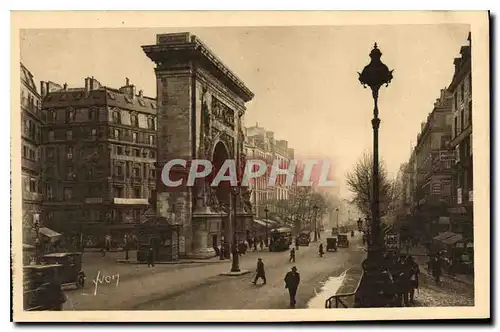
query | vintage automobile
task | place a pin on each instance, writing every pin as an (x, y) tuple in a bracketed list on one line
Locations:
[(34, 278), (281, 239), (304, 239), (71, 270), (342, 241), (331, 244)]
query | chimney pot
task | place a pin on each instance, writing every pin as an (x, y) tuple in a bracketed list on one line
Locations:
[(65, 86), (127, 81), (141, 93)]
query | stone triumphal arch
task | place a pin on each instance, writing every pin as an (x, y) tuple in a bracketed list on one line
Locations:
[(201, 105)]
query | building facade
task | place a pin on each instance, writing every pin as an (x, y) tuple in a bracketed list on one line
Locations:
[(461, 213), (31, 127), (98, 149), (261, 144), (433, 161)]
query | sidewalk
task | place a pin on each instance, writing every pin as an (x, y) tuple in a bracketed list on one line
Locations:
[(420, 255)]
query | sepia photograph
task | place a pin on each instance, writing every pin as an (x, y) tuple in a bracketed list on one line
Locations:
[(289, 167)]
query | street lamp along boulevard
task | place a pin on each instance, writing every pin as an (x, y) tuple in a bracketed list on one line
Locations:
[(374, 75), (315, 209), (266, 211), (236, 260)]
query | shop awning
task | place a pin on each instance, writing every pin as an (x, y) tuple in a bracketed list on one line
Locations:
[(442, 236), (52, 235), (452, 239)]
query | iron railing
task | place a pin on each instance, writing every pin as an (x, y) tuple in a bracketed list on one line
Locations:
[(339, 299)]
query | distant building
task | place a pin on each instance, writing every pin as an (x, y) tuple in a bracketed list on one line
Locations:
[(461, 143), (99, 150), (260, 144), (433, 162), (31, 125)]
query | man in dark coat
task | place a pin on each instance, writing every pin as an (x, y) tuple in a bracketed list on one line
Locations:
[(292, 255), (436, 267), (260, 272), (414, 276), (292, 280)]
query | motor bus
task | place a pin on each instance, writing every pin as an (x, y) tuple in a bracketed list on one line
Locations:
[(281, 239)]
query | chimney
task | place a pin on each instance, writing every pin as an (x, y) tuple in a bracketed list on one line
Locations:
[(65, 86), (43, 89), (87, 84), (127, 81), (141, 93)]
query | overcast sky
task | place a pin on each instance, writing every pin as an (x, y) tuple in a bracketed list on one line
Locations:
[(304, 78)]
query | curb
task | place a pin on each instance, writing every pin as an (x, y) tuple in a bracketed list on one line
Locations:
[(122, 261)]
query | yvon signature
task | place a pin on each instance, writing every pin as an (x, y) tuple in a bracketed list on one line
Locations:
[(102, 279)]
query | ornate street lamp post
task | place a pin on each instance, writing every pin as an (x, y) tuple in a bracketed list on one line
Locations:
[(374, 75), (236, 262), (337, 209), (266, 211), (221, 253), (315, 209)]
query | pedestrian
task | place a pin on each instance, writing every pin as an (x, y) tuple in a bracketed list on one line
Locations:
[(297, 243), (292, 255), (255, 244), (250, 243), (292, 280), (261, 244), (151, 258), (436, 268), (414, 277), (261, 273), (321, 252)]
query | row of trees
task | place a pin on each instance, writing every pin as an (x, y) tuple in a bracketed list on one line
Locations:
[(298, 210), (359, 182)]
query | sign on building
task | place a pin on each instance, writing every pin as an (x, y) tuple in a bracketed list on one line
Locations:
[(446, 155), (392, 242)]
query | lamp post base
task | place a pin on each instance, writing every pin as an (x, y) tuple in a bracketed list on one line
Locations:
[(236, 262), (376, 289)]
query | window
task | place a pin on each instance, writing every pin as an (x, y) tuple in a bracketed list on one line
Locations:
[(70, 174), (117, 191), (152, 174), (455, 100), (462, 91), (50, 153), (137, 192), (116, 117), (116, 134), (136, 171), (137, 153), (93, 114), (25, 152), (33, 185), (70, 152), (137, 214), (93, 133), (118, 170), (68, 194), (119, 150), (153, 154), (152, 123), (69, 135), (134, 137), (134, 120), (48, 188), (455, 127), (151, 140), (90, 173), (70, 115)]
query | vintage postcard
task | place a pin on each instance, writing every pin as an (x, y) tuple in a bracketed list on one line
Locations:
[(250, 166)]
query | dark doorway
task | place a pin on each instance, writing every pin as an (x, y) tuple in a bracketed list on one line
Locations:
[(215, 243)]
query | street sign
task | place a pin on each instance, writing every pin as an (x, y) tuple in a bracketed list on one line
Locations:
[(392, 242)]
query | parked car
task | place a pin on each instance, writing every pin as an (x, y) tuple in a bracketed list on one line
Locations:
[(342, 241), (71, 267)]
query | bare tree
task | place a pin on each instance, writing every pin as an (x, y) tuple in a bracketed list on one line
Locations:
[(359, 181)]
